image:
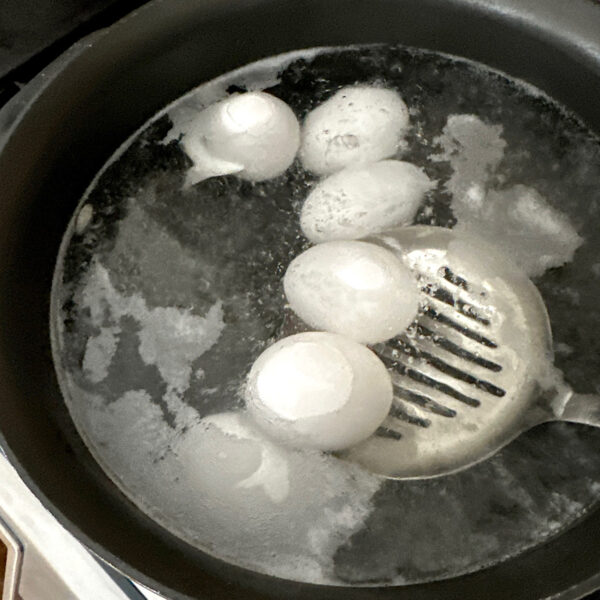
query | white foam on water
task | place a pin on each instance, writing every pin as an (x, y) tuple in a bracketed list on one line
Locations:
[(473, 148), (99, 353), (518, 218), (228, 489), (169, 338), (521, 222)]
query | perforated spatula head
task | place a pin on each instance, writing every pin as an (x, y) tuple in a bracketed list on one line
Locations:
[(468, 372)]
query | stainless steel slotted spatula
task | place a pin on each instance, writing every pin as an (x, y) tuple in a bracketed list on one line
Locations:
[(475, 368)]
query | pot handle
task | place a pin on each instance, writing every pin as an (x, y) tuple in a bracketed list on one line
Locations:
[(14, 559), (44, 560)]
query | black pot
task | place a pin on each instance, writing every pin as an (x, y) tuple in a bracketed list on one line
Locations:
[(72, 119)]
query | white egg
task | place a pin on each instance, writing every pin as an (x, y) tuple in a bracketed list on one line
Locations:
[(355, 126), (254, 134), (227, 458), (356, 289), (319, 390), (361, 201)]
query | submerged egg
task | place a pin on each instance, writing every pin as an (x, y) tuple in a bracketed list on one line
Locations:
[(224, 457), (357, 125), (362, 201), (356, 289), (319, 390), (254, 134)]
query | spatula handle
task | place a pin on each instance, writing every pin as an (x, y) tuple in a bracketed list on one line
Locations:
[(582, 408)]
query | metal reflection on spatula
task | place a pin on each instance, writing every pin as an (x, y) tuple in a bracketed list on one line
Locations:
[(475, 368)]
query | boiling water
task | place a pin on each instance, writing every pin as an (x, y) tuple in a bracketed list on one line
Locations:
[(164, 296)]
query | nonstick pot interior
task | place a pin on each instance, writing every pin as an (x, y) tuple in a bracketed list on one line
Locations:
[(110, 89)]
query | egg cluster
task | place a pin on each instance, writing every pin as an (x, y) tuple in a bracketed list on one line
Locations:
[(325, 389)]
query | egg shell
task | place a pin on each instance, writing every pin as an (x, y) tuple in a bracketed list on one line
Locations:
[(357, 125), (361, 201), (356, 289), (254, 134), (318, 390)]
